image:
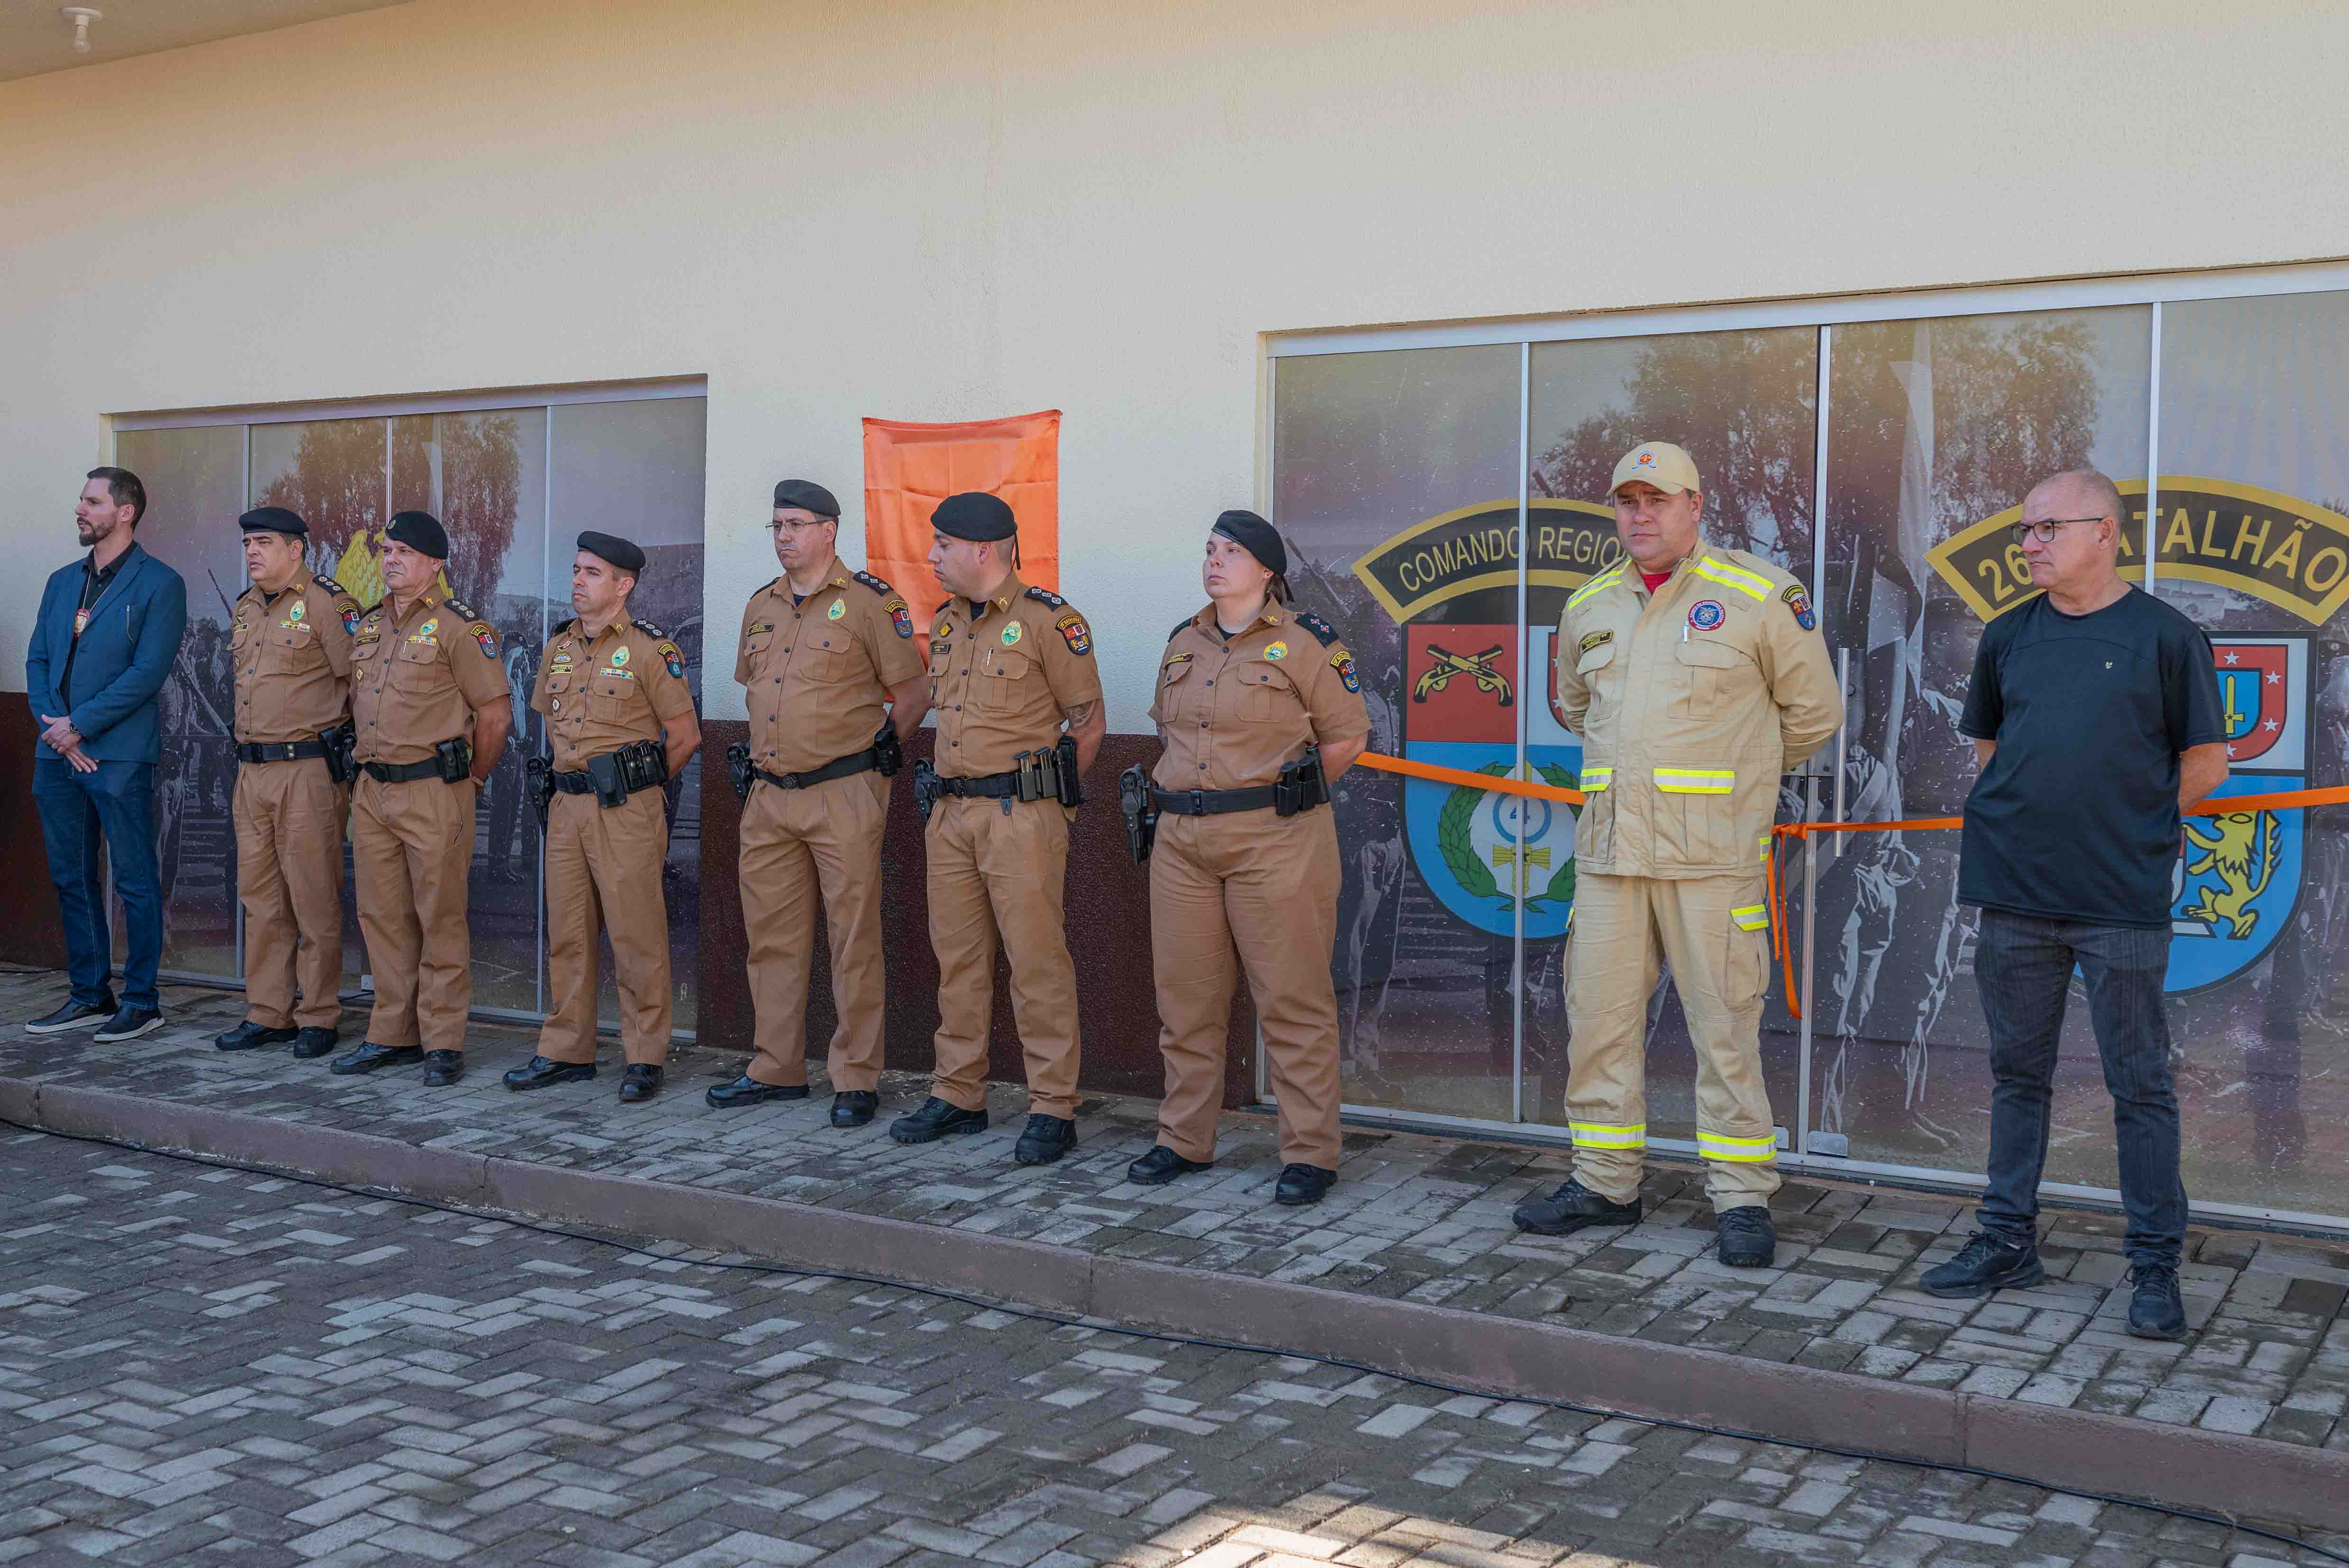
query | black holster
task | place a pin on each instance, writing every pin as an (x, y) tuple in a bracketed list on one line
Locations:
[(888, 751), (1303, 784), (644, 765), (1134, 799), (453, 760), (1072, 790), (342, 744), (604, 772), (540, 773), (927, 787), (738, 767)]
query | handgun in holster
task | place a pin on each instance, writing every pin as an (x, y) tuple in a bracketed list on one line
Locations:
[(453, 759), (927, 787), (540, 773), (1064, 756), (888, 751), (342, 744), (739, 769), (1135, 799), (1303, 784)]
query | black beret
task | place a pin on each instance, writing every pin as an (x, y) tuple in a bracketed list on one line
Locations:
[(271, 519), (611, 547), (974, 515), (1256, 536), (420, 532), (808, 496)]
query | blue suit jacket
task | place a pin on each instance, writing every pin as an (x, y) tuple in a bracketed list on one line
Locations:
[(127, 648)]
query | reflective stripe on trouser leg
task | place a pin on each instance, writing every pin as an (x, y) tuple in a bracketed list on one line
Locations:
[(1720, 966), (1612, 969)]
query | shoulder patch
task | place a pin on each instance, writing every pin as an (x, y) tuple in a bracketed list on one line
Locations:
[(1075, 633), (486, 637), (1799, 603), (1592, 640), (869, 580), (1321, 628), (1180, 627), (674, 657), (460, 609), (901, 615), (1343, 663), (1045, 596)]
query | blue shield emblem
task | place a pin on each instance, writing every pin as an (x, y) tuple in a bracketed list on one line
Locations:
[(2238, 883)]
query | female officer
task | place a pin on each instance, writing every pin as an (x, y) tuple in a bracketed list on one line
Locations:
[(1245, 688)]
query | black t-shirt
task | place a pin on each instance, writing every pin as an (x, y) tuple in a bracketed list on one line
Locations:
[(2076, 816)]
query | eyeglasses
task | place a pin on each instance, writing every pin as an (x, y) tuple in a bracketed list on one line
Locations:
[(2045, 529), (800, 525)]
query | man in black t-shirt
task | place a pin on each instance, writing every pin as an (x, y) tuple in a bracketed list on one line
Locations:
[(2095, 713)]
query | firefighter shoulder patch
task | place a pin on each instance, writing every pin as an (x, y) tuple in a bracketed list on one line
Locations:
[(1343, 663), (1592, 640), (674, 657), (1799, 603), (1047, 598), (1075, 633), (1321, 629)]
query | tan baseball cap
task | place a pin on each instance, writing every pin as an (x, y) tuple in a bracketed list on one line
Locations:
[(1659, 463)]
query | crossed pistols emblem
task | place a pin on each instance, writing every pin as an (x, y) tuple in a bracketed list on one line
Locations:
[(1477, 667)]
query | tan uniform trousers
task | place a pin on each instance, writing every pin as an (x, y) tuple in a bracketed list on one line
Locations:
[(289, 877), (603, 873), (996, 873), (411, 849), (1712, 930), (1268, 885), (797, 844)]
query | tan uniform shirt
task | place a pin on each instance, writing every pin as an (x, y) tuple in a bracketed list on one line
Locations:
[(293, 659), (1234, 713), (817, 673), (601, 692), (1690, 703), (417, 680), (1002, 678)]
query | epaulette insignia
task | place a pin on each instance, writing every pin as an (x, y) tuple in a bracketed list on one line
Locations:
[(1045, 596), (376, 608), (650, 630), (875, 583), (1321, 628), (331, 586), (459, 608), (1180, 627)]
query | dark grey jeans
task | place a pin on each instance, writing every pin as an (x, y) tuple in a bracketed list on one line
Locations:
[(2024, 965)]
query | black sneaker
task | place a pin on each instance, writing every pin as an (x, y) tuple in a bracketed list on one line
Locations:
[(2155, 1309), (1570, 1208), (1985, 1264), (129, 1024), (72, 1015), (1044, 1140), (937, 1119), (1747, 1238)]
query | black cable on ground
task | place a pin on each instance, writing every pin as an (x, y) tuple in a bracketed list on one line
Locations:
[(1059, 1321)]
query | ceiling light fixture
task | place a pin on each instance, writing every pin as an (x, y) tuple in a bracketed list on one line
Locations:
[(83, 16)]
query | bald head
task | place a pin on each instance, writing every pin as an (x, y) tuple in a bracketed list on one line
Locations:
[(2078, 562), (2079, 492)]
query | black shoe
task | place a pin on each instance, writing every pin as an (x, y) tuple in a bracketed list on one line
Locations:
[(2155, 1309), (252, 1037), (1571, 1208), (854, 1107), (73, 1015), (936, 1119), (1044, 1140), (1748, 1239), (748, 1090), (1162, 1165), (129, 1024), (540, 1071), (442, 1068), (1986, 1263), (370, 1055), (1302, 1184), (314, 1042), (639, 1083)]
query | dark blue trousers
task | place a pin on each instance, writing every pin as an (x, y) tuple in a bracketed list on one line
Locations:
[(115, 808)]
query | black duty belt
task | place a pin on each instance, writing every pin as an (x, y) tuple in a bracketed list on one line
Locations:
[(279, 750), (400, 773), (988, 787), (864, 761), (1214, 803), (572, 783)]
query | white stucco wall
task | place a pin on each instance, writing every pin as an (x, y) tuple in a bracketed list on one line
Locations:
[(954, 209)]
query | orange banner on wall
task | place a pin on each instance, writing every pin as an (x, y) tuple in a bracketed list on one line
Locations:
[(910, 468)]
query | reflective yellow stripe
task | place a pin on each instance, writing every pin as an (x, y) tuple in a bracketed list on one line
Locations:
[(1745, 581), (1601, 1135), (1597, 778), (1606, 579), (1765, 848), (1696, 780), (1752, 1150), (1753, 917)]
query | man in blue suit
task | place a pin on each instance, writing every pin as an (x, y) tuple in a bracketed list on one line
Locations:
[(108, 630)]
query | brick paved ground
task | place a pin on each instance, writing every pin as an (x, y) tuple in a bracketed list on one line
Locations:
[(202, 1365), (1424, 1218)]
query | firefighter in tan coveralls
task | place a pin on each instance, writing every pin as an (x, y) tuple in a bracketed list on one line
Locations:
[(1696, 676)]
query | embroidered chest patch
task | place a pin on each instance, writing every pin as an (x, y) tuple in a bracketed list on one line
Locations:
[(839, 608), (1011, 635), (1276, 650), (620, 657), (1706, 614)]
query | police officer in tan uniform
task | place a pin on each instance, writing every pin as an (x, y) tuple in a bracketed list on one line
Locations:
[(823, 649), (291, 648), (1696, 676), (620, 721), (1010, 665), (1260, 709), (429, 701)]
